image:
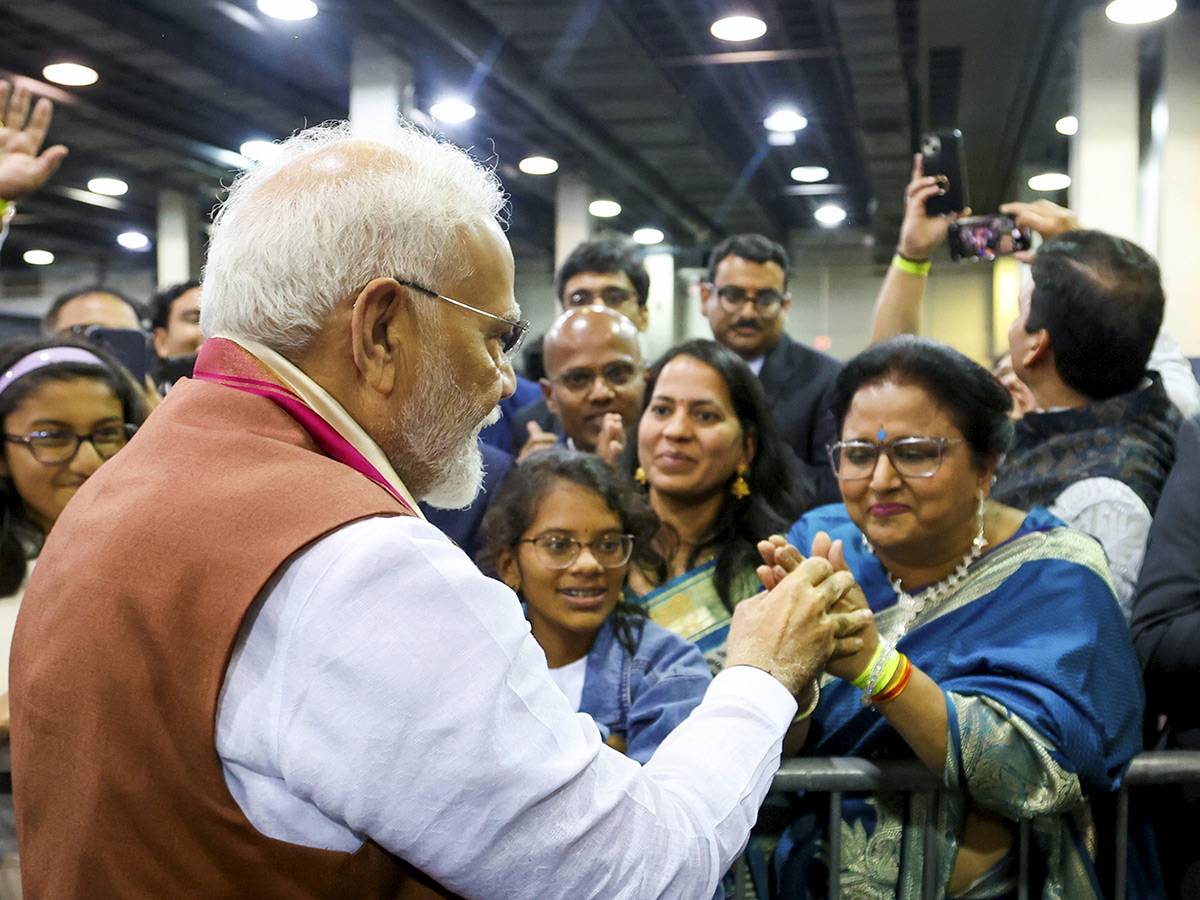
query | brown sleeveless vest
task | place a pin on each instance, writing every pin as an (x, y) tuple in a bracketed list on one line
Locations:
[(121, 648)]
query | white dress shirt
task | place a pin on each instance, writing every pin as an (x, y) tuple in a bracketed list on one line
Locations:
[(382, 687)]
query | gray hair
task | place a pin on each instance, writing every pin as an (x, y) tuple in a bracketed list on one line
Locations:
[(311, 226)]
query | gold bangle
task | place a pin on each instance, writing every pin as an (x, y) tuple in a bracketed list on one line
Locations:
[(801, 716), (919, 269)]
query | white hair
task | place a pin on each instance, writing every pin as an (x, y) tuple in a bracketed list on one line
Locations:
[(304, 230)]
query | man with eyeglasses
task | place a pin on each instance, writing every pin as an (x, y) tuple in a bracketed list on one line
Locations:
[(74, 312), (247, 667), (594, 383), (746, 302)]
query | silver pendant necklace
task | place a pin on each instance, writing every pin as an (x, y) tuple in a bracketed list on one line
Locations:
[(910, 606)]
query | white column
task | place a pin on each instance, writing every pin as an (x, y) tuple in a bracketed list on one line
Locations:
[(572, 221), (1104, 153), (178, 244), (661, 332), (1180, 188), (381, 87)]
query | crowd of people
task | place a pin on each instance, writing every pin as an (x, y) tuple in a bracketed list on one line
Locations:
[(357, 610)]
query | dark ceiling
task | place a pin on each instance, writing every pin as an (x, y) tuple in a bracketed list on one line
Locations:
[(635, 95)]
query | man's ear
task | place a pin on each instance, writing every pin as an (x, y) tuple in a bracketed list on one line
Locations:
[(548, 394), (706, 296), (508, 568), (382, 311), (160, 342), (642, 320), (1037, 349)]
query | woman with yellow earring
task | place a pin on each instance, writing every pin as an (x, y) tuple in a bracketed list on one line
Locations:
[(719, 477)]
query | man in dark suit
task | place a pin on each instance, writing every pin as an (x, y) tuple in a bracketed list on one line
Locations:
[(746, 302)]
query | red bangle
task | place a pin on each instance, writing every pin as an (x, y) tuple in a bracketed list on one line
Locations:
[(898, 685)]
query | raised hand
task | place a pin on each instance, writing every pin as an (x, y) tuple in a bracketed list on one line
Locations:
[(539, 439), (920, 233), (1042, 216), (611, 443), (22, 168)]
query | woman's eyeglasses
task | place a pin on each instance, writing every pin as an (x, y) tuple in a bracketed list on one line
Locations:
[(914, 457), (56, 447), (556, 551)]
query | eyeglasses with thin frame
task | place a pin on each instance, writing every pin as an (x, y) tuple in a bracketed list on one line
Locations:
[(557, 551), (616, 374), (510, 341), (612, 297), (733, 298), (53, 447), (913, 457)]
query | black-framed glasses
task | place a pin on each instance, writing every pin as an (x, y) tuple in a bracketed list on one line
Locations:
[(54, 447), (732, 297), (616, 374), (510, 341), (557, 551), (612, 297), (914, 457)]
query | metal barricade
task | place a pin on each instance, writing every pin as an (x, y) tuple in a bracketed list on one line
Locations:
[(840, 775)]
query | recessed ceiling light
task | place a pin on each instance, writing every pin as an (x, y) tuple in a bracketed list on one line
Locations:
[(451, 110), (38, 257), (781, 138), (70, 74), (604, 209), (1067, 125), (133, 240), (829, 215), (258, 150), (648, 236), (1050, 181), (1139, 12), (289, 10), (810, 174), (538, 165), (109, 187), (738, 28), (785, 120)]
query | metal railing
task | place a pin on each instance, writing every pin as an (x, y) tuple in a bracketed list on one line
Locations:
[(841, 775)]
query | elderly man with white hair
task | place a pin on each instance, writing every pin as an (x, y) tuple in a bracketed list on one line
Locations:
[(247, 667)]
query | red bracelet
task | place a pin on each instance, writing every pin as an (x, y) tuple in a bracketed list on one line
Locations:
[(898, 685)]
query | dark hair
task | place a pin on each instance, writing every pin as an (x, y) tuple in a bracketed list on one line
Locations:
[(50, 316), (775, 501), (515, 507), (1100, 299), (970, 395), (160, 303), (754, 247), (20, 537), (608, 253)]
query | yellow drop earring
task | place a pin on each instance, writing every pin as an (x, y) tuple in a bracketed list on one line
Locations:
[(739, 488)]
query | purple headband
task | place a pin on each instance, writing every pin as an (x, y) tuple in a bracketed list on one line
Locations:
[(39, 359)]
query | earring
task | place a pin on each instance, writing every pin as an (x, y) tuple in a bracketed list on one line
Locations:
[(640, 476), (740, 489)]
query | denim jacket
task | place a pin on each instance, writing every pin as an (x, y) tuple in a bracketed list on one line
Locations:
[(644, 696)]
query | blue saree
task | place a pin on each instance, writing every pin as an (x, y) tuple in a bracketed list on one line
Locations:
[(1044, 699)]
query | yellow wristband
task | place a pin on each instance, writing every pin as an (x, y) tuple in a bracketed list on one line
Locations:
[(861, 681), (888, 673), (8, 209), (920, 269)]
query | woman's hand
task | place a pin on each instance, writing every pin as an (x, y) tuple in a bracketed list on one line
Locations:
[(847, 665), (921, 233)]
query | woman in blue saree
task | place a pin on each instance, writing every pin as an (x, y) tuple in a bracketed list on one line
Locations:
[(1000, 657)]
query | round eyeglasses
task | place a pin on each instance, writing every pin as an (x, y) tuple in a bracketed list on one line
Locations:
[(52, 447), (914, 457), (510, 340), (556, 551), (612, 297), (732, 298)]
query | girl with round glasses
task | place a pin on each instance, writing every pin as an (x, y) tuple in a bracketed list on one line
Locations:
[(999, 655), (561, 532)]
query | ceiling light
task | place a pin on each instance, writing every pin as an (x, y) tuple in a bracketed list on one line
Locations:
[(810, 174), (38, 257), (648, 236), (1067, 125), (289, 10), (781, 138), (258, 150), (1050, 181), (538, 165), (109, 187), (738, 28), (822, 342), (604, 209), (1139, 12), (785, 120), (450, 110), (829, 215), (70, 74), (133, 240)]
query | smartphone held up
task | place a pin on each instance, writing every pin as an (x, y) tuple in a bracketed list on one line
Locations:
[(986, 237)]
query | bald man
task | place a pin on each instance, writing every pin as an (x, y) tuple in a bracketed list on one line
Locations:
[(594, 382)]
